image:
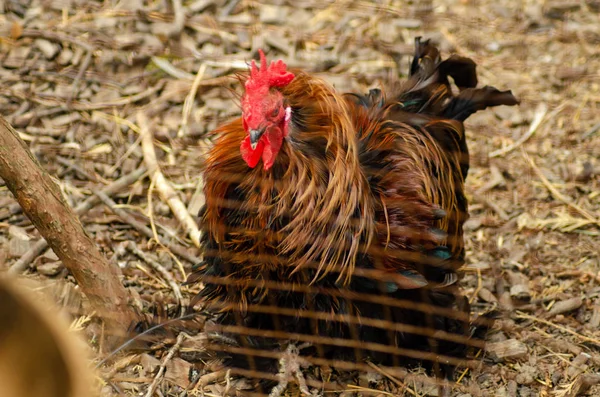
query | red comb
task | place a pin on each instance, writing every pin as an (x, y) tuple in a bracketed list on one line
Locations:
[(274, 75)]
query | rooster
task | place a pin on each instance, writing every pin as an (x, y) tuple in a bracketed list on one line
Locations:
[(323, 209)]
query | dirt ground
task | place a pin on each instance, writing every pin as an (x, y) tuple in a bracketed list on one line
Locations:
[(74, 74)]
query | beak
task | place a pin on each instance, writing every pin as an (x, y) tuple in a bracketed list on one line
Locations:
[(255, 136)]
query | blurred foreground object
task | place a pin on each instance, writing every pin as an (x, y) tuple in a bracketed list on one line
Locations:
[(336, 221), (39, 355), (43, 203)]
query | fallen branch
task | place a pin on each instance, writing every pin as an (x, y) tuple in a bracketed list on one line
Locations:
[(43, 203), (39, 247), (162, 185)]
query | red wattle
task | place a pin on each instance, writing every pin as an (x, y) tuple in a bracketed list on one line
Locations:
[(274, 140), (251, 157)]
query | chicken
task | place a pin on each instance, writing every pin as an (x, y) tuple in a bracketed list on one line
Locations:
[(337, 219)]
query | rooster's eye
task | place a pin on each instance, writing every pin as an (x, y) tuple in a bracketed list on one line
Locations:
[(275, 112)]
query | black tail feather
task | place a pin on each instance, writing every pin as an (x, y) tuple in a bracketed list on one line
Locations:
[(427, 66), (472, 100), (428, 72)]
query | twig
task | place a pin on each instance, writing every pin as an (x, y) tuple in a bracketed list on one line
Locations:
[(23, 119), (495, 180), (137, 337), (128, 124), (43, 203), (75, 86), (121, 101), (367, 391), (496, 208), (210, 378), (466, 370), (163, 365), (227, 382), (558, 195), (179, 20), (398, 382), (189, 101), (171, 70), (172, 28), (537, 121), (111, 189), (20, 265), (198, 199), (559, 327), (153, 227), (39, 247), (157, 267), (227, 9), (150, 210), (202, 28), (10, 210), (151, 276), (72, 166), (164, 188), (46, 35), (146, 231), (47, 100), (591, 131)]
